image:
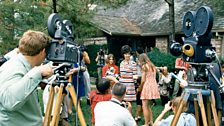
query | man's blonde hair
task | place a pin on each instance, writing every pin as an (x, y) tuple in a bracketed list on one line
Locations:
[(176, 102), (33, 42)]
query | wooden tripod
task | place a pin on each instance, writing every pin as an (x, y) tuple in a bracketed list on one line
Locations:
[(207, 121), (55, 119)]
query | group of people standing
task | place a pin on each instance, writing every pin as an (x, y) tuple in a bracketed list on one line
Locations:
[(111, 104), (139, 78), (129, 72)]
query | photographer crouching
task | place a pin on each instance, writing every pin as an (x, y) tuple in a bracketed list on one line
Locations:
[(20, 77), (164, 84)]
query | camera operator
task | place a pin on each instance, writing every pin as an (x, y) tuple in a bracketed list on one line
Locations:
[(111, 113), (20, 77), (79, 81), (86, 76), (185, 119), (100, 60), (182, 68)]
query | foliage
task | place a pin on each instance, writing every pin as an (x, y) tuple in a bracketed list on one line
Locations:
[(92, 68), (80, 14), (162, 59), (17, 17), (218, 6)]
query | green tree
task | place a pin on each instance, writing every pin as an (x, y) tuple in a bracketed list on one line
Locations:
[(218, 6), (17, 17), (78, 12), (20, 15)]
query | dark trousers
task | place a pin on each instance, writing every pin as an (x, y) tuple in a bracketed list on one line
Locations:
[(164, 99)]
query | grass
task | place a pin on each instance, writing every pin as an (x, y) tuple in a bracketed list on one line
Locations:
[(156, 110)]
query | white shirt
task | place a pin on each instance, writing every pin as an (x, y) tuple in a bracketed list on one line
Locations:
[(185, 119), (108, 113)]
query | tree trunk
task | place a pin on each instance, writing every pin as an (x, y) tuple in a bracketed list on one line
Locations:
[(171, 20)]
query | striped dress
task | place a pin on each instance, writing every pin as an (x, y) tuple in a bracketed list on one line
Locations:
[(127, 70)]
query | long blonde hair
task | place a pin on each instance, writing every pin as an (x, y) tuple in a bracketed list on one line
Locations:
[(144, 59)]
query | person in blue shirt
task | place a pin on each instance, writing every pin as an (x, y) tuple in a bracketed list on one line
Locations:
[(20, 77)]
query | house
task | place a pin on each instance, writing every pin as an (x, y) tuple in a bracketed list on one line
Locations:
[(145, 23)]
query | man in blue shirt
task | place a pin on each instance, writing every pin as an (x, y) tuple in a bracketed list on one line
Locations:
[(19, 78)]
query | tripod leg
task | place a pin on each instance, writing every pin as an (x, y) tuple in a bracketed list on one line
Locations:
[(214, 112), (47, 118), (57, 106), (201, 104), (208, 111), (196, 111), (185, 97), (74, 97), (220, 115)]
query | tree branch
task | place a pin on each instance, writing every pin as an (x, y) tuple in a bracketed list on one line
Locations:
[(170, 2)]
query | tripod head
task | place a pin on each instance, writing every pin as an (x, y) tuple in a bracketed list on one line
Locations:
[(198, 77), (60, 74)]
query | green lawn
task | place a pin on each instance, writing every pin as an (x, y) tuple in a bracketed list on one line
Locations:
[(157, 109)]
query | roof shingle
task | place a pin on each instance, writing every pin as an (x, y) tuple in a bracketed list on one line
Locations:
[(149, 17)]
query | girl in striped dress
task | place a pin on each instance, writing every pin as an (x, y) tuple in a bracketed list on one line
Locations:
[(128, 72), (148, 87)]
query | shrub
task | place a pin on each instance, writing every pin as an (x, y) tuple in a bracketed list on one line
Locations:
[(162, 59)]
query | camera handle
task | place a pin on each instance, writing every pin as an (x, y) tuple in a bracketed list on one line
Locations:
[(213, 75)]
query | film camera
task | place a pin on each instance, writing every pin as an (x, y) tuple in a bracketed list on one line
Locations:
[(110, 71), (101, 52), (197, 48), (203, 77), (62, 47), (63, 51)]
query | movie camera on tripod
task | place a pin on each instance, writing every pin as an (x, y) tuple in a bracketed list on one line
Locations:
[(203, 77), (63, 50), (197, 48)]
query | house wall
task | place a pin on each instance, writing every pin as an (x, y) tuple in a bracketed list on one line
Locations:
[(162, 43), (217, 43), (96, 41), (222, 45)]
